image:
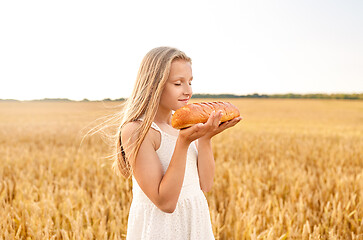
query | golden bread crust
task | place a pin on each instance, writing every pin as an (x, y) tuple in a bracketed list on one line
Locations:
[(199, 113)]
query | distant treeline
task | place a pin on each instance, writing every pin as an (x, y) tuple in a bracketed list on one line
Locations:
[(60, 100), (353, 96), (350, 96)]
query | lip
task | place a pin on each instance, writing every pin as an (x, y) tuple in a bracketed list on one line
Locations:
[(184, 100)]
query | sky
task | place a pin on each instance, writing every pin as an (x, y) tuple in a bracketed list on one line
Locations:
[(93, 49)]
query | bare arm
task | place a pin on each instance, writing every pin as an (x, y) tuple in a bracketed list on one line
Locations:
[(206, 164), (162, 190)]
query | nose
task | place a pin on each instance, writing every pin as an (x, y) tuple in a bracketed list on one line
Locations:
[(188, 90)]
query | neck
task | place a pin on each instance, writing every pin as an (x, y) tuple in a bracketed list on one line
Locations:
[(163, 116)]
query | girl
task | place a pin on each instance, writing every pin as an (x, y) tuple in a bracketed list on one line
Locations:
[(169, 168)]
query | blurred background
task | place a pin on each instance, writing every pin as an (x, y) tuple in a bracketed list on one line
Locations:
[(92, 49)]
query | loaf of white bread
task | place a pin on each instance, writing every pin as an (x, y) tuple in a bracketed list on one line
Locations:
[(199, 113)]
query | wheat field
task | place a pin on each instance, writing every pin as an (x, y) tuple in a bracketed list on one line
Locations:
[(291, 169)]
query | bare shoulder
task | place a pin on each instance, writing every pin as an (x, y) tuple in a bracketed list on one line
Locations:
[(129, 130), (129, 134)]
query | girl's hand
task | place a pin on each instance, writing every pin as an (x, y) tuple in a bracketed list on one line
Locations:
[(215, 125), (208, 129)]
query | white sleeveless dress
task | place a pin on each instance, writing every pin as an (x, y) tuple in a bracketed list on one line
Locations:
[(190, 220)]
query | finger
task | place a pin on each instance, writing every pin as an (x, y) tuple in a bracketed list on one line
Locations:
[(218, 118), (215, 119), (192, 129), (237, 120), (211, 119), (197, 127), (233, 122), (223, 125), (230, 123)]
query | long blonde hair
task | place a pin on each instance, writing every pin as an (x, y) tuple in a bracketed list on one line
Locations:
[(144, 101)]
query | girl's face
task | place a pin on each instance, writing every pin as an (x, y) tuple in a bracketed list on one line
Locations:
[(178, 89)]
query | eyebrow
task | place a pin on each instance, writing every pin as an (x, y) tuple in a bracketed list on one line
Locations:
[(181, 78)]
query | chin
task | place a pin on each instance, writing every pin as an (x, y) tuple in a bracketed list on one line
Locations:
[(179, 105)]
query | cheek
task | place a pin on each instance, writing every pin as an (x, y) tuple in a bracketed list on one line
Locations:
[(170, 92), (166, 95)]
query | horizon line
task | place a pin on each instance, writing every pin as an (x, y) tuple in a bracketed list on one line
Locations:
[(202, 95)]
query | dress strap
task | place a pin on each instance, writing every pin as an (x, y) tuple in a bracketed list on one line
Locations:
[(156, 127)]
